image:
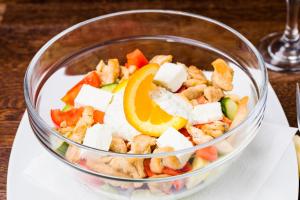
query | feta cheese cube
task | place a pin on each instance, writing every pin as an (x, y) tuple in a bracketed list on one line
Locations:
[(172, 138), (205, 113), (116, 119), (91, 96), (98, 136), (171, 103), (171, 76)]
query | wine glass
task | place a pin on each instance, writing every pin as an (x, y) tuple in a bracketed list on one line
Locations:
[(281, 51)]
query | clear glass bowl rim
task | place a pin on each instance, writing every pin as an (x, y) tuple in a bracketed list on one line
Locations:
[(38, 120)]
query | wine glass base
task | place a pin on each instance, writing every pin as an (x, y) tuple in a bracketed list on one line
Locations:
[(279, 55)]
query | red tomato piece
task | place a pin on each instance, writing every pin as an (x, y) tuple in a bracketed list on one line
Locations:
[(186, 168), (147, 169), (184, 132), (174, 172), (226, 120), (91, 78), (208, 153), (136, 58), (98, 116), (178, 184), (71, 117), (169, 171)]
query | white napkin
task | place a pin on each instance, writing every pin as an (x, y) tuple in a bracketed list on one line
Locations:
[(241, 182)]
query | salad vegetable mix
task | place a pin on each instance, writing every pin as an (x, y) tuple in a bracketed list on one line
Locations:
[(149, 106)]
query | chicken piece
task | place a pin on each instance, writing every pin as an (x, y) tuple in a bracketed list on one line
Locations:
[(241, 113), (195, 73), (73, 154), (118, 145), (110, 72), (141, 144), (198, 136), (194, 92), (157, 164), (223, 75), (215, 129), (213, 94), (193, 82), (124, 73), (158, 187), (83, 123), (124, 165), (104, 168), (65, 130), (161, 59)]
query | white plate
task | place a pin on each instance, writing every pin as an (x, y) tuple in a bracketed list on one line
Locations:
[(283, 181)]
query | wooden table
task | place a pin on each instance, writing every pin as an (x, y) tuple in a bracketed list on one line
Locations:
[(25, 27)]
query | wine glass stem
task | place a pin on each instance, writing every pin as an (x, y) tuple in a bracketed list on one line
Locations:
[(291, 33)]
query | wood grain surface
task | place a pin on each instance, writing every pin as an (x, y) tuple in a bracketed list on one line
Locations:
[(26, 25)]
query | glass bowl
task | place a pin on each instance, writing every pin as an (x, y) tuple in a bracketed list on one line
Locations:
[(191, 39)]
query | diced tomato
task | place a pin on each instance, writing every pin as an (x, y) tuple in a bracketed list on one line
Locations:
[(91, 78), (71, 117), (202, 100), (169, 171), (136, 58), (208, 153), (226, 120), (174, 172), (178, 184), (184, 132), (181, 89), (147, 169), (98, 116), (186, 168)]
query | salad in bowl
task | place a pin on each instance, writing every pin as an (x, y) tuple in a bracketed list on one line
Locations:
[(148, 107)]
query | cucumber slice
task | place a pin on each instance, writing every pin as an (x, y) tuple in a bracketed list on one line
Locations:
[(109, 87), (66, 108), (62, 149), (229, 107)]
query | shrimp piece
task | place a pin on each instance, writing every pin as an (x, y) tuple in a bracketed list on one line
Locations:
[(83, 123), (198, 136), (110, 72), (195, 73), (194, 92), (223, 75), (213, 94), (161, 59), (242, 112), (118, 145)]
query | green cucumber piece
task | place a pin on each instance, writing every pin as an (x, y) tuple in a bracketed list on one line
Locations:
[(229, 107), (62, 149), (66, 108), (109, 87)]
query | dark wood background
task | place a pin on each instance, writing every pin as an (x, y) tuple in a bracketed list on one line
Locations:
[(26, 25)]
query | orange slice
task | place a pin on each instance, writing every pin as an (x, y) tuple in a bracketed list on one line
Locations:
[(141, 111)]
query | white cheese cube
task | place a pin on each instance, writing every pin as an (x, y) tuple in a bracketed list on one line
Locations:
[(205, 113), (91, 96), (116, 119), (98, 136), (172, 138), (171, 103), (171, 76)]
